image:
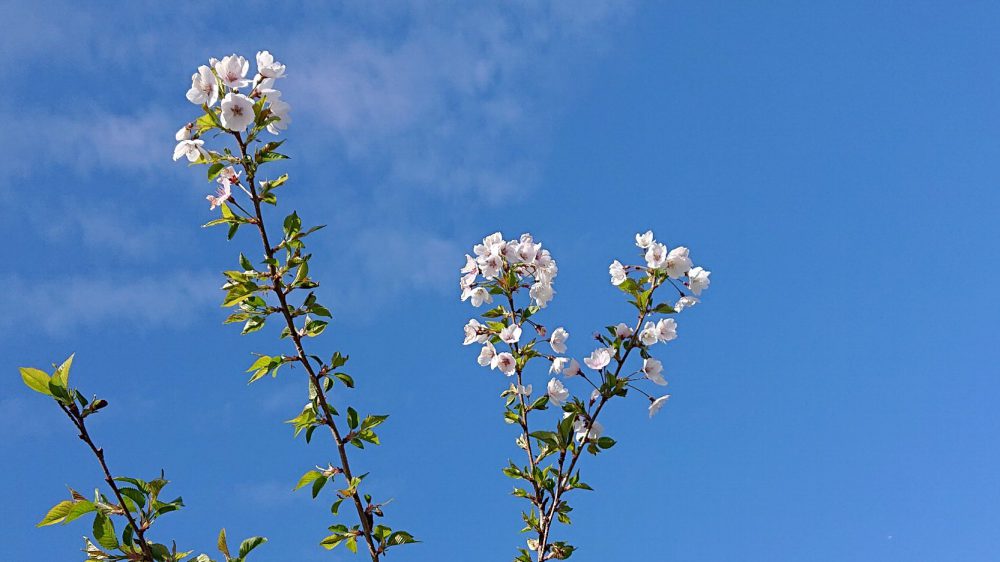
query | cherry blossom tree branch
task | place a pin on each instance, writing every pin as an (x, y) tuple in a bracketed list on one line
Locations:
[(280, 293)]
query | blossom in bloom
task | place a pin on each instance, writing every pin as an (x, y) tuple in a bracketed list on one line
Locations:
[(558, 340), (237, 112), (572, 370), (222, 194), (475, 333), (666, 329), (623, 331), (232, 70), (492, 244), (655, 405), (268, 67), (617, 271), (228, 176), (486, 355), (644, 240), (193, 149), (204, 88), (585, 431), (653, 369), (503, 361), (184, 133), (542, 293), (600, 358), (523, 390), (678, 262), (685, 302), (558, 365), (558, 393), (656, 255), (649, 334), (490, 264), (510, 334), (279, 108), (698, 280), (479, 295), (470, 265)]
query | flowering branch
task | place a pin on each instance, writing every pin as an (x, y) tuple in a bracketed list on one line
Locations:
[(138, 503), (503, 268), (245, 117)]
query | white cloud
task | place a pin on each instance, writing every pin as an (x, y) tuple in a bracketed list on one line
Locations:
[(61, 304)]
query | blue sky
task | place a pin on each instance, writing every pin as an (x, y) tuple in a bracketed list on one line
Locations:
[(833, 164)]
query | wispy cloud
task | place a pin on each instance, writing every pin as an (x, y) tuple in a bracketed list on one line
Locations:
[(59, 306)]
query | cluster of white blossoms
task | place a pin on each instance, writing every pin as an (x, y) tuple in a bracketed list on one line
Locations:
[(676, 263), (487, 273), (496, 258), (224, 79)]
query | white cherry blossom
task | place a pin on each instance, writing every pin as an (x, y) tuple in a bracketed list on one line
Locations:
[(228, 176), (184, 133), (232, 70), (478, 296), (523, 390), (653, 369), (685, 302), (623, 331), (510, 334), (583, 433), (503, 361), (678, 262), (475, 333), (542, 293), (268, 67), (558, 393), (655, 405), (558, 365), (193, 149), (617, 271), (237, 112), (600, 358), (279, 108), (204, 88), (572, 370), (486, 355), (595, 395), (222, 194), (656, 256), (649, 334), (666, 329), (698, 280), (558, 340), (470, 265), (644, 240)]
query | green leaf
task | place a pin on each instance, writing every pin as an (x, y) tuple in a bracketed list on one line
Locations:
[(36, 379), (664, 308), (214, 170), (104, 532), (318, 486), (352, 418), (222, 545), (270, 157), (57, 514), (250, 544), (605, 442), (308, 478)]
